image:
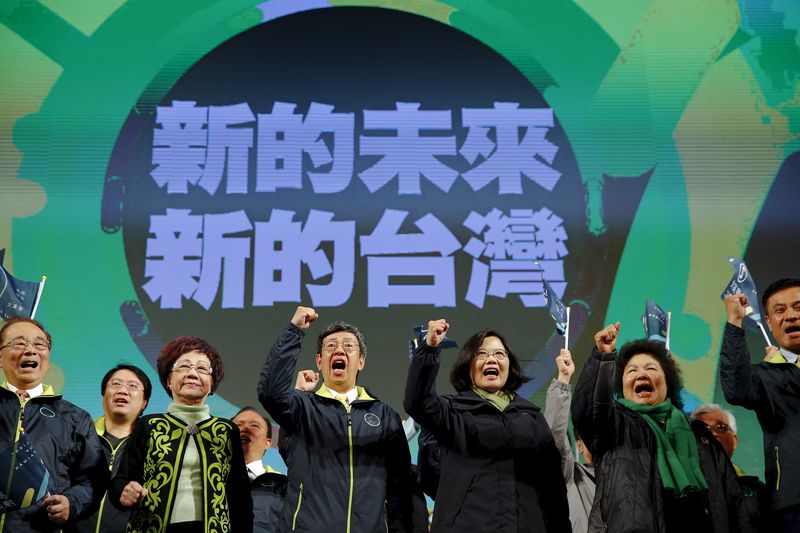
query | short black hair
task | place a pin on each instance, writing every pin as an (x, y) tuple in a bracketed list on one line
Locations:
[(777, 286), (336, 327), (256, 411), (656, 349), (460, 373), (148, 387)]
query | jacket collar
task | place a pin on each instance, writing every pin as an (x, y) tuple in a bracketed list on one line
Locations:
[(783, 356), (468, 400), (47, 393), (325, 392)]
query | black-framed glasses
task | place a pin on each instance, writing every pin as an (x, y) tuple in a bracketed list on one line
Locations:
[(21, 344)]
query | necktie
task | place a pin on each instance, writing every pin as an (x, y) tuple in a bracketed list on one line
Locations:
[(23, 395), (342, 398)]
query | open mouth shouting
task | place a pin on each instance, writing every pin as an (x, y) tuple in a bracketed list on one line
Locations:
[(29, 363), (643, 389), (338, 366)]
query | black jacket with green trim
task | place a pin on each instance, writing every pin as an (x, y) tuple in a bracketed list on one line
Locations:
[(771, 389), (64, 438), (154, 458), (107, 519), (348, 472)]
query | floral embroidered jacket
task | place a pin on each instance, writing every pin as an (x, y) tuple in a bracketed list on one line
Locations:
[(154, 457)]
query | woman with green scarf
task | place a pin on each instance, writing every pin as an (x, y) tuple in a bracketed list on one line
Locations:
[(656, 471), (500, 468)]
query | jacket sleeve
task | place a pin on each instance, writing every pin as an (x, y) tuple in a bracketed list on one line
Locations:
[(428, 462), (240, 501), (88, 469), (398, 477), (553, 495), (131, 464), (593, 405), (556, 412), (740, 384), (276, 384), (421, 401)]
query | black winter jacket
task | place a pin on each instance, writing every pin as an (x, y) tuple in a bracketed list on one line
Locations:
[(107, 519), (269, 491), (64, 437), (348, 471), (629, 496), (500, 471), (772, 390)]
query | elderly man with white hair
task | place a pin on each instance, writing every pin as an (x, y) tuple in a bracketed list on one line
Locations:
[(722, 424)]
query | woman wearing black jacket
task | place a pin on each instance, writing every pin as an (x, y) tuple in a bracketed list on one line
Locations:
[(500, 468), (655, 471)]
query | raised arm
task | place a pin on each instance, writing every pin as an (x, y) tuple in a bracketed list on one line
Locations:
[(398, 476), (276, 384), (421, 401), (593, 406), (740, 384), (556, 411)]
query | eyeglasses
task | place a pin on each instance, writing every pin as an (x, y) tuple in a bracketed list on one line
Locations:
[(185, 367), (20, 345), (347, 346), (500, 355), (132, 386), (719, 427)]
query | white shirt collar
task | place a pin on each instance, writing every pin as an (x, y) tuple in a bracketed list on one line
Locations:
[(38, 390), (352, 394), (255, 469), (789, 356)]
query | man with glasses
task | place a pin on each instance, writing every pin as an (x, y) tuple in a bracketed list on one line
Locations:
[(126, 390), (346, 452), (722, 424), (61, 433)]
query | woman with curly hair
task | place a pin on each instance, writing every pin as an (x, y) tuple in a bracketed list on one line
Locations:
[(655, 470)]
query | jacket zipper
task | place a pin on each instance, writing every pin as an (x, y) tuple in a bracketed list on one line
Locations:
[(778, 465), (297, 511), (110, 468), (352, 477)]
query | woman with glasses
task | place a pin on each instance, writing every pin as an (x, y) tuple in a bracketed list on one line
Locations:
[(500, 469), (655, 470), (184, 470)]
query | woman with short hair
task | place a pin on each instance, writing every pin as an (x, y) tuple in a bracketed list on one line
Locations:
[(500, 468), (184, 470), (655, 470)]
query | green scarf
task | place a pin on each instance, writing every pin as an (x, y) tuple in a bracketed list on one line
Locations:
[(499, 399), (676, 447)]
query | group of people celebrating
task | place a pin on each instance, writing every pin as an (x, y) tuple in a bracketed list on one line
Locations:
[(492, 460)]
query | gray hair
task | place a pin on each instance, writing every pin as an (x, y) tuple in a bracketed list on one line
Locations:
[(715, 408)]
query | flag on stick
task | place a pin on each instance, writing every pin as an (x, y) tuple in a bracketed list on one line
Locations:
[(17, 297), (557, 310), (742, 283), (655, 322)]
